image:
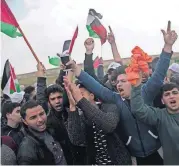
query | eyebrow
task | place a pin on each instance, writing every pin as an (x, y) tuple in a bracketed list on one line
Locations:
[(32, 117), (52, 98)]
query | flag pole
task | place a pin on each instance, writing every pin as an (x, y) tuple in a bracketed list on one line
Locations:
[(28, 44)]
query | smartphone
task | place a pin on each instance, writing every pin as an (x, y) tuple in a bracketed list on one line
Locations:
[(64, 59)]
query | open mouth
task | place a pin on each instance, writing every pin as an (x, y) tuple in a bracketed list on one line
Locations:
[(58, 107), (173, 102), (121, 90), (42, 126)]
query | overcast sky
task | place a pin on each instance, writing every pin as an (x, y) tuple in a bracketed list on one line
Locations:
[(48, 23)]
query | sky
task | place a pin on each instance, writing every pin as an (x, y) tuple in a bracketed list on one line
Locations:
[(48, 23)]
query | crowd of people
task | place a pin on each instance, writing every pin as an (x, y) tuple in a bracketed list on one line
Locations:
[(96, 118)]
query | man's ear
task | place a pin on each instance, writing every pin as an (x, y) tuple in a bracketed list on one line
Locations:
[(8, 115), (49, 105), (24, 121), (92, 96), (162, 101)]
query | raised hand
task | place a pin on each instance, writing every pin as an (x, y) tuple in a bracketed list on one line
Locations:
[(69, 94), (111, 38), (170, 36), (76, 93), (62, 67), (75, 68), (89, 45), (40, 70)]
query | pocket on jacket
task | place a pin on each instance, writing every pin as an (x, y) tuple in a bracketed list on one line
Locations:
[(129, 140), (152, 134)]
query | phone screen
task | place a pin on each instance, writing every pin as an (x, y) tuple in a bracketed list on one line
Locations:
[(64, 59)]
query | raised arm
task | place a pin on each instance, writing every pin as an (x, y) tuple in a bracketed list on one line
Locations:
[(115, 52), (88, 62), (62, 73), (107, 121), (146, 114), (41, 84), (76, 126), (100, 70), (153, 85), (97, 89)]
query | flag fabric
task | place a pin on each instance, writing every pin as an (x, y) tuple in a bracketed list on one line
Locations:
[(96, 62), (94, 26), (73, 40), (9, 24), (9, 83), (68, 44), (55, 61)]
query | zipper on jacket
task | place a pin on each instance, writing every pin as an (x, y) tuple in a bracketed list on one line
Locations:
[(140, 137), (142, 145)]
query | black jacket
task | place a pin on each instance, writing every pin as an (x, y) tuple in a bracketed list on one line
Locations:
[(32, 151), (56, 121), (15, 133)]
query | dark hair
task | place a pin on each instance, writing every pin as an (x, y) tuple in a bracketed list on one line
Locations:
[(29, 89), (5, 98), (8, 107), (29, 104), (169, 87), (53, 89), (121, 69), (77, 82)]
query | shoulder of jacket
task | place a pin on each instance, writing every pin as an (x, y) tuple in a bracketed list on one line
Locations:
[(28, 141)]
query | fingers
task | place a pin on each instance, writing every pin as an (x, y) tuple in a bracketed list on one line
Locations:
[(89, 41), (78, 86), (41, 67), (66, 80), (169, 26), (173, 34), (62, 66), (163, 32), (71, 62)]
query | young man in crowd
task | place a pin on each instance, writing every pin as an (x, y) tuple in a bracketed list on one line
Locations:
[(51, 98), (11, 112), (141, 139), (39, 146), (166, 120), (95, 127)]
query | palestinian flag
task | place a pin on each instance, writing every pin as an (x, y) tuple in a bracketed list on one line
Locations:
[(94, 26), (9, 24), (9, 83), (73, 40), (96, 62)]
